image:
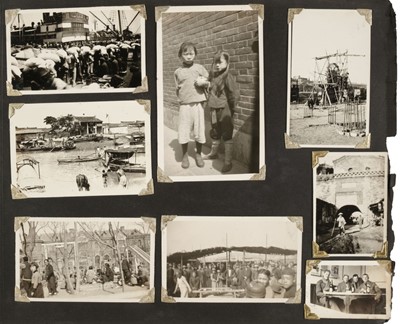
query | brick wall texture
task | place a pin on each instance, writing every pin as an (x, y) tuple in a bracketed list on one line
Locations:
[(235, 32)]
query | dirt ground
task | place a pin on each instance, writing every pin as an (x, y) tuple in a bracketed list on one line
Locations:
[(367, 241), (316, 130)]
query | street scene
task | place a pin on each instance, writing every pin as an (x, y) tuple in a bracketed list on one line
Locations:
[(350, 191), (66, 149), (242, 259), (76, 49), (348, 289), (329, 78), (101, 260)]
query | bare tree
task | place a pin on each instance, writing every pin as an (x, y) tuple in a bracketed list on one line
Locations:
[(111, 244), (30, 237), (66, 258)]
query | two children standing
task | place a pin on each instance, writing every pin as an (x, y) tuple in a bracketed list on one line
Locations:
[(194, 87)]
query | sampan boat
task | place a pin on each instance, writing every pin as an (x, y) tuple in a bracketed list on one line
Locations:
[(119, 159), (79, 159)]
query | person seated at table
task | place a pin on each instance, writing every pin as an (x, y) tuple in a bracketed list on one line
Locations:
[(371, 305), (345, 285), (355, 282), (322, 287)]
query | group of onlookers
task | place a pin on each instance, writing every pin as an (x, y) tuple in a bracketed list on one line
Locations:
[(250, 279), (64, 65), (34, 278)]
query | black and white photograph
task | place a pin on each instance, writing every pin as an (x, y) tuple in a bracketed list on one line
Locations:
[(328, 78), (84, 259), (350, 203), (80, 149), (76, 50), (210, 93), (358, 289), (231, 259)]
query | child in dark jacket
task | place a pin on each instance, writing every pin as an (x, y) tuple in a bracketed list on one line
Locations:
[(222, 99)]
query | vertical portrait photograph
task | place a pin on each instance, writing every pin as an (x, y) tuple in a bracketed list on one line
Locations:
[(350, 204), (328, 78), (210, 92)]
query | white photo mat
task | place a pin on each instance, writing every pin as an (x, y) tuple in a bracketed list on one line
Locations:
[(32, 115), (165, 177), (147, 222), (11, 15), (294, 223)]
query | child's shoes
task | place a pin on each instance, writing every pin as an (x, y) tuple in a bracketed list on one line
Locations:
[(199, 160), (185, 161)]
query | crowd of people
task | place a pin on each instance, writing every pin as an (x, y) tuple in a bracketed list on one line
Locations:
[(355, 284), (62, 66), (35, 278), (247, 279)]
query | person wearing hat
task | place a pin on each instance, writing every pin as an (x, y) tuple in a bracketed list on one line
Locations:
[(341, 223), (36, 290), (26, 275), (255, 289)]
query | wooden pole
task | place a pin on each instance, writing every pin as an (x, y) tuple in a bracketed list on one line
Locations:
[(65, 258), (333, 229), (76, 253)]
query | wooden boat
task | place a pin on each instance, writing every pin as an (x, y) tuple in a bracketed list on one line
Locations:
[(119, 159), (79, 159), (87, 138), (128, 167), (46, 146)]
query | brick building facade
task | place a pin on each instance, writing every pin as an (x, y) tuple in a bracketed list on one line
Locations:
[(235, 32)]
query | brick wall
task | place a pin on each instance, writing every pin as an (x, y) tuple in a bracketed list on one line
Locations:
[(235, 32)]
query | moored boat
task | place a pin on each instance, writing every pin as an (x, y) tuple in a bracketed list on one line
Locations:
[(79, 159), (119, 159)]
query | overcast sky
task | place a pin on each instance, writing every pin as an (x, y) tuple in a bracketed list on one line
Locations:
[(32, 115), (192, 234), (321, 32), (28, 16)]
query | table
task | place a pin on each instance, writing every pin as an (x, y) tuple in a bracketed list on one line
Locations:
[(221, 290), (347, 297)]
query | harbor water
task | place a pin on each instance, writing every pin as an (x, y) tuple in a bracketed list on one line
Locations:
[(60, 178)]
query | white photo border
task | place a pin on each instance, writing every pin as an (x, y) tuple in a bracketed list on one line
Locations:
[(160, 97), (315, 310), (140, 108), (364, 141), (141, 88), (385, 217), (88, 219), (164, 244)]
